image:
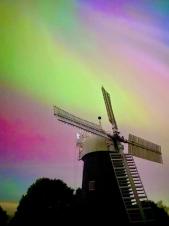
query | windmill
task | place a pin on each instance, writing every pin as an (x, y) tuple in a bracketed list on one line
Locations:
[(108, 170)]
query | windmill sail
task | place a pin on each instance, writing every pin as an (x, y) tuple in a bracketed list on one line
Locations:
[(109, 109), (144, 149), (70, 119)]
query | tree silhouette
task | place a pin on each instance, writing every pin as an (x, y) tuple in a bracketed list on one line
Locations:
[(160, 204), (51, 202), (3, 217), (160, 215), (47, 202)]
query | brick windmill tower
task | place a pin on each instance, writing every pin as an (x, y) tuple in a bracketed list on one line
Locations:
[(111, 181)]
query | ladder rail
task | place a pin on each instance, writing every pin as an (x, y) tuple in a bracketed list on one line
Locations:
[(135, 193)]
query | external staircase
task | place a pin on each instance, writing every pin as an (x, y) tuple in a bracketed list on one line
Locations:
[(131, 188)]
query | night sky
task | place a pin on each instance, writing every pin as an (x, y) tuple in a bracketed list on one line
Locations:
[(61, 53)]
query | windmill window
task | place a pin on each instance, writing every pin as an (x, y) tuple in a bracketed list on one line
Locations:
[(92, 185)]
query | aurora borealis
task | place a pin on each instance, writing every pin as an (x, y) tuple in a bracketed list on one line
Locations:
[(61, 53)]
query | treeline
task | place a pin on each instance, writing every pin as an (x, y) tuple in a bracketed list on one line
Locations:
[(51, 202)]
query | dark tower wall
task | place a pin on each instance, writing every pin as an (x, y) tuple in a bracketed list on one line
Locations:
[(100, 188)]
